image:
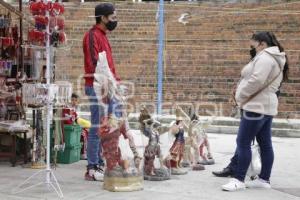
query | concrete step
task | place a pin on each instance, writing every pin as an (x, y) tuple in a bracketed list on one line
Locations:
[(278, 132), (228, 125), (220, 125)]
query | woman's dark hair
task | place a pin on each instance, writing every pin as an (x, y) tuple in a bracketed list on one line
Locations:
[(74, 96), (271, 40)]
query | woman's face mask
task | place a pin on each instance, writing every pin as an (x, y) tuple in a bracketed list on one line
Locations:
[(253, 51)]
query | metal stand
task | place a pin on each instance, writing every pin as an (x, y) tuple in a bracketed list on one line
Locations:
[(50, 183), (48, 171)]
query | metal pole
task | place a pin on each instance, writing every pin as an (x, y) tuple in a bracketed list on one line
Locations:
[(160, 57), (21, 58), (49, 105)]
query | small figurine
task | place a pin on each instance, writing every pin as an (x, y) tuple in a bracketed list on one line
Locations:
[(191, 156), (149, 127), (195, 142), (177, 149), (203, 142)]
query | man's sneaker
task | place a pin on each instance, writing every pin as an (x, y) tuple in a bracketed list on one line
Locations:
[(96, 174), (258, 183), (234, 185)]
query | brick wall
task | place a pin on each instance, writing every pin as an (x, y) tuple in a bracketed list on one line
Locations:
[(203, 58)]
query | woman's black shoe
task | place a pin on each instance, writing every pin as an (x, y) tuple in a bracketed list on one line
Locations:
[(226, 172)]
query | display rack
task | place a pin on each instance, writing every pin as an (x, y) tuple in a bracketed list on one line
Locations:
[(48, 10)]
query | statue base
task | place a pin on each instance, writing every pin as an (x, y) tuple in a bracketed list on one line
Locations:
[(178, 171), (160, 175), (118, 180), (207, 162), (185, 164), (38, 165), (198, 167)]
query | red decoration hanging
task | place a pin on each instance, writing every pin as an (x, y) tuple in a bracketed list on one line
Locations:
[(56, 24), (56, 9), (36, 36), (7, 41), (38, 8), (40, 19)]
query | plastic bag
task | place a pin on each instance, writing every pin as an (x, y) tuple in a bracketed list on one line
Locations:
[(255, 165)]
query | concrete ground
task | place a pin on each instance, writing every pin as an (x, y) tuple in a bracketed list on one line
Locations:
[(194, 185)]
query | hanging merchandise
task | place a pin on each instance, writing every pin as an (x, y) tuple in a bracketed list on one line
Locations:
[(38, 95), (56, 23), (6, 67), (41, 22), (56, 8), (38, 8), (64, 93), (36, 37), (10, 96), (38, 155), (9, 38), (7, 41), (5, 23)]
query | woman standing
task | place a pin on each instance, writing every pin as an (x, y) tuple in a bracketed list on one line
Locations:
[(256, 95)]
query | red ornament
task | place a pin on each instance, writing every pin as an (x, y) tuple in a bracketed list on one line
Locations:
[(36, 36), (37, 8), (56, 9), (41, 20)]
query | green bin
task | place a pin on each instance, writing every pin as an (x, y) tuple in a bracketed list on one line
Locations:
[(72, 135), (69, 155)]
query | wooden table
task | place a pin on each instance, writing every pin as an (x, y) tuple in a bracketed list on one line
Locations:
[(13, 154)]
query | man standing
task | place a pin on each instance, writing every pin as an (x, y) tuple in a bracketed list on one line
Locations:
[(94, 42)]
